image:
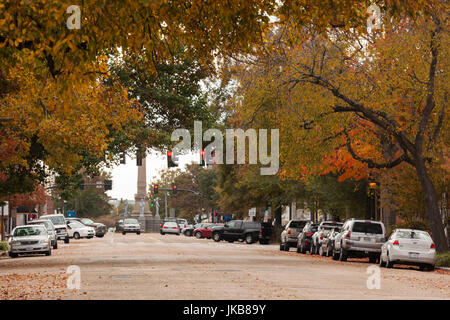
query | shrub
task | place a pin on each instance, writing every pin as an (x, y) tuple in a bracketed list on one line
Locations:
[(443, 259), (3, 246)]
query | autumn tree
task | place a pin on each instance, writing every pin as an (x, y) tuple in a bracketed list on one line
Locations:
[(351, 103)]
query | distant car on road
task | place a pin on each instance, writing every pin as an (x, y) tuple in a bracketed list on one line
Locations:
[(319, 235), (237, 230), (189, 230), (361, 239), (170, 227), (78, 230), (60, 224), (131, 225), (100, 228), (50, 230), (304, 237), (205, 231), (289, 236), (182, 223), (408, 246), (119, 225), (29, 239)]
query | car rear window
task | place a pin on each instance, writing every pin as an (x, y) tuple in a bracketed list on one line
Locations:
[(253, 225), (297, 224), (413, 235), (367, 227)]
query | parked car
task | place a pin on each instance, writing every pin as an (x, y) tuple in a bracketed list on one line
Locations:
[(119, 225), (182, 223), (189, 230), (289, 236), (170, 227), (319, 235), (50, 230), (237, 230), (131, 225), (100, 228), (304, 237), (29, 239), (327, 246), (265, 233), (360, 239), (60, 224), (408, 246), (205, 230), (78, 230)]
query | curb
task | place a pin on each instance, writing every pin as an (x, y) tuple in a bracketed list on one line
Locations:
[(443, 268)]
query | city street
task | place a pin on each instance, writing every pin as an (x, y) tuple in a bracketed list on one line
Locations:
[(152, 266)]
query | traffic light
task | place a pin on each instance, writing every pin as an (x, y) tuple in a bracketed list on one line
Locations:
[(155, 189), (202, 158), (170, 162), (152, 204), (107, 184), (122, 158), (174, 188)]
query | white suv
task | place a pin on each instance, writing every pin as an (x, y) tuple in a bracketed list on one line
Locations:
[(361, 239), (60, 224)]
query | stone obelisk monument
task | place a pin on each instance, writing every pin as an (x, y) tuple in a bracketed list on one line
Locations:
[(141, 209)]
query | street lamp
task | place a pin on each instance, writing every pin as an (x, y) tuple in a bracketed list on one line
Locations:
[(373, 186)]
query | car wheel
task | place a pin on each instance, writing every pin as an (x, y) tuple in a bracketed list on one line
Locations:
[(281, 247), (334, 255), (216, 237), (321, 252), (430, 267), (372, 258), (55, 246), (381, 262), (389, 264), (230, 241), (66, 239), (90, 237), (298, 249), (138, 233), (100, 236), (302, 249), (343, 254), (123, 232), (249, 239), (13, 255), (48, 253), (162, 233), (198, 235), (76, 235), (311, 249)]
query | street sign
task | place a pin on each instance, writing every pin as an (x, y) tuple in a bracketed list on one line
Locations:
[(252, 212), (71, 214)]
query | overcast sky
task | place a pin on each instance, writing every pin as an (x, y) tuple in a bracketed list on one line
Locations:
[(124, 176)]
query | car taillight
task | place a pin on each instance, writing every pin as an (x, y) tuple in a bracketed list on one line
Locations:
[(321, 237), (309, 233), (432, 246), (175, 227), (260, 232), (289, 231), (395, 243), (348, 235), (164, 227), (65, 230)]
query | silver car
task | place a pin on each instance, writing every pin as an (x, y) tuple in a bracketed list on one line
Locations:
[(170, 227), (290, 234), (131, 225), (360, 239), (320, 234), (30, 239), (408, 246), (50, 229)]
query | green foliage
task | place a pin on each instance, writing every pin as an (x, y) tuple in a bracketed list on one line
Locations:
[(3, 246), (412, 224), (443, 259)]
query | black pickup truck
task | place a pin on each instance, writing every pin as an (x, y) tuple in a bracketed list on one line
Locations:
[(237, 230)]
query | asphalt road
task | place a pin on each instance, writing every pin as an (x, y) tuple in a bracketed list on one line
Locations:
[(152, 266)]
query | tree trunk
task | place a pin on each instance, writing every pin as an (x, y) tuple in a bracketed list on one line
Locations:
[(431, 201)]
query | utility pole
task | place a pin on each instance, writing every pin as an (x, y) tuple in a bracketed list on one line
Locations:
[(165, 203)]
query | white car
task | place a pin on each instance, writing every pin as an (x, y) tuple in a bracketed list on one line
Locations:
[(30, 239), (170, 227), (78, 230), (408, 246), (182, 223)]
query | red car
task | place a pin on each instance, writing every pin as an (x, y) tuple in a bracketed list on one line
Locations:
[(205, 231)]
